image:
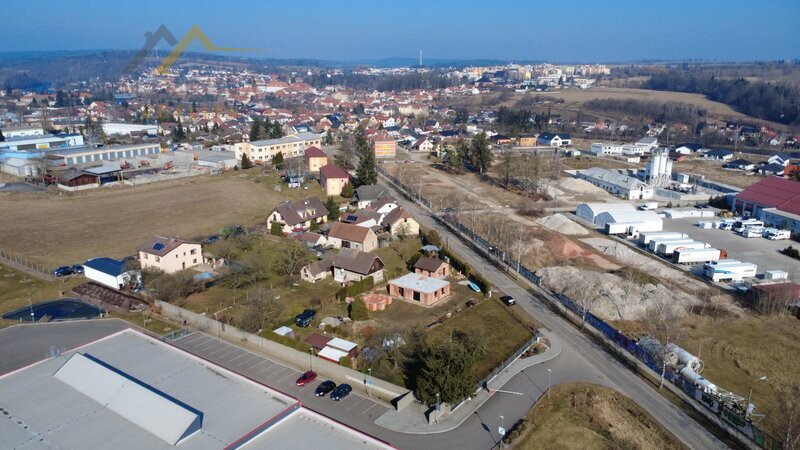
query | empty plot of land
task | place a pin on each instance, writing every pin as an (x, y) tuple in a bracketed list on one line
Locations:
[(62, 229)]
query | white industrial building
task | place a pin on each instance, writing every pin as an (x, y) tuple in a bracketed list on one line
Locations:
[(19, 167), (617, 183), (126, 129), (619, 218), (22, 132), (110, 272)]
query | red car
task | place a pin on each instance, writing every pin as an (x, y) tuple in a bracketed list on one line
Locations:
[(306, 378)]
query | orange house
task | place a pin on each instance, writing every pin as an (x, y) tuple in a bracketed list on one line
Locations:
[(315, 159), (384, 146)]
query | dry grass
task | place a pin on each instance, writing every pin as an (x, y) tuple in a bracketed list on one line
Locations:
[(580, 416), (17, 288), (60, 229), (713, 170)]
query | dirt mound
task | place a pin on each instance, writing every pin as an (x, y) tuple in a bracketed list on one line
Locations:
[(611, 297), (560, 223)]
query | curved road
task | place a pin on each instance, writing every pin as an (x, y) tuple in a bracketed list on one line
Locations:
[(583, 359)]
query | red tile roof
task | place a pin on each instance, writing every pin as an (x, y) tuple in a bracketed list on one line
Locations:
[(314, 152), (330, 171), (774, 192)]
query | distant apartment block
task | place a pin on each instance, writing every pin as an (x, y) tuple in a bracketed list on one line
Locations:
[(384, 146)]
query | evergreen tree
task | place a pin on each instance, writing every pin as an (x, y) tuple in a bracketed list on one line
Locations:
[(246, 164), (358, 310), (178, 132), (347, 191), (328, 139), (333, 208), (366, 172), (2, 138), (277, 161), (481, 153), (257, 131), (276, 229)]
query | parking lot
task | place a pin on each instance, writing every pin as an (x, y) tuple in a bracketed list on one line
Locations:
[(761, 251), (357, 410)]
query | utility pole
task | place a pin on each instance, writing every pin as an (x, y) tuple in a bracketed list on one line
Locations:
[(549, 381)]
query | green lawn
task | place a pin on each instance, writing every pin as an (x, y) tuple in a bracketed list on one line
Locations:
[(18, 288)]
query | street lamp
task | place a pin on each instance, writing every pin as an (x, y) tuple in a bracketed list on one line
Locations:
[(369, 382), (311, 359), (438, 407), (549, 381), (750, 395), (30, 303), (502, 431)]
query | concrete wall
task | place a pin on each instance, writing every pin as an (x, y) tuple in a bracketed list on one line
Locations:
[(381, 389)]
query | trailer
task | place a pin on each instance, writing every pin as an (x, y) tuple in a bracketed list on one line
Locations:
[(646, 237), (649, 206), (668, 248), (729, 270), (653, 245), (774, 234), (753, 232), (706, 225), (695, 255)]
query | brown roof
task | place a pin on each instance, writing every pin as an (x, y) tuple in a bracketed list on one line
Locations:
[(361, 263), (297, 212), (162, 245), (309, 236), (315, 152), (395, 215), (319, 267), (332, 171), (428, 264), (318, 341), (347, 232)]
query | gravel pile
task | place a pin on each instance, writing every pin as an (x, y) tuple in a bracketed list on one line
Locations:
[(562, 224), (611, 297)]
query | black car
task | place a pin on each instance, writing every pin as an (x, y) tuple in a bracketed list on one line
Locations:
[(77, 268), (211, 239), (508, 300), (324, 388), (63, 271), (304, 318), (341, 392)]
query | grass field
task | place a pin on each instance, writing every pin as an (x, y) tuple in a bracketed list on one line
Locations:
[(713, 170), (56, 229), (17, 288), (582, 416)]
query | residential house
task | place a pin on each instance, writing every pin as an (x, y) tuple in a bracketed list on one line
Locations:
[(771, 169), (399, 222), (648, 143), (383, 145), (367, 194), (687, 148), (723, 155), (780, 158), (419, 288), (333, 179), (384, 205), (555, 140), (344, 235), (170, 254), (432, 267), (527, 140), (363, 218), (315, 159), (423, 144), (338, 348), (740, 164), (297, 216), (113, 273), (312, 239), (348, 266)]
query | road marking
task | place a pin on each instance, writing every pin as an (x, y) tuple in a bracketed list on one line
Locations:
[(367, 410), (221, 349), (262, 361), (191, 337), (240, 356)]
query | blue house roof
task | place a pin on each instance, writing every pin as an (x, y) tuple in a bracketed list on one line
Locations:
[(107, 266)]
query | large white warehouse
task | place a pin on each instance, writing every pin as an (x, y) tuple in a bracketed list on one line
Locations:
[(624, 215)]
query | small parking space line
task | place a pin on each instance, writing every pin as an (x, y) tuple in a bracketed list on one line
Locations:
[(221, 349), (260, 362), (191, 337), (247, 361), (239, 356), (205, 346), (289, 375), (370, 407)]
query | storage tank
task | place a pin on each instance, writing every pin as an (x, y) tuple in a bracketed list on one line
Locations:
[(698, 380)]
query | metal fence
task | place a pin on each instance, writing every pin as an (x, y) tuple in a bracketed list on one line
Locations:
[(24, 265), (731, 417), (508, 361)]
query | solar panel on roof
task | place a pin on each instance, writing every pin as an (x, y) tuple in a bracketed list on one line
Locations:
[(352, 218), (158, 246)]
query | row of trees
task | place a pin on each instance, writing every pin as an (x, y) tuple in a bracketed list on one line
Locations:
[(263, 128), (476, 156), (778, 102), (659, 111)]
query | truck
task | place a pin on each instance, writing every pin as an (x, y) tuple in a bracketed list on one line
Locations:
[(774, 234), (695, 255), (668, 248), (753, 232), (729, 270), (741, 225), (649, 206), (647, 236), (653, 245)]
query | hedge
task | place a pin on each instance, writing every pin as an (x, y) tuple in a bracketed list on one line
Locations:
[(355, 288)]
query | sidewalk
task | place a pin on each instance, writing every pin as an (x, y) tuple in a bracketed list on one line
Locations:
[(412, 419)]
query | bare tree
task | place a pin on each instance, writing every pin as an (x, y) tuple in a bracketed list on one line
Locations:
[(347, 152), (585, 296), (788, 398), (663, 320), (293, 256), (519, 243), (260, 310), (506, 168)]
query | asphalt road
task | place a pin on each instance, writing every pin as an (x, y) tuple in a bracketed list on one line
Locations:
[(595, 361)]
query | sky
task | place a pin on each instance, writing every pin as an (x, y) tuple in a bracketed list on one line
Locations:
[(554, 31)]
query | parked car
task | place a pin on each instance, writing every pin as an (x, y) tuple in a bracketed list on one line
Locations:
[(341, 392), (63, 271), (304, 318), (325, 388), (306, 378), (77, 268), (508, 300)]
